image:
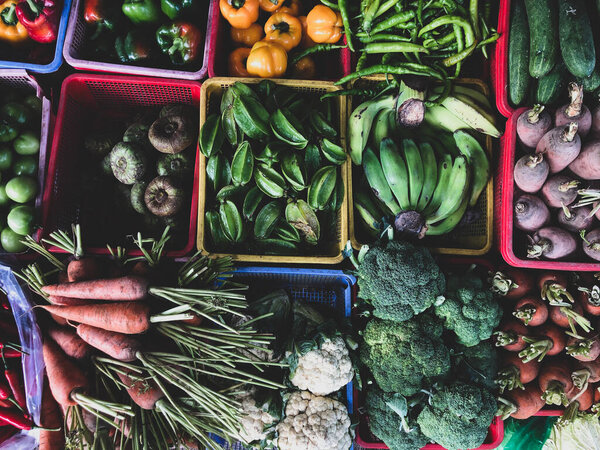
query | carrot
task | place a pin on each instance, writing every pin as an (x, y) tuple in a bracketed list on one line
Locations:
[(510, 335), (589, 301), (64, 377), (555, 382), (568, 317), (120, 346), (532, 311), (66, 301), (514, 373), (59, 320), (127, 317), (197, 320), (123, 288), (586, 372), (512, 283), (587, 349), (50, 417), (582, 402), (144, 392), (545, 340), (83, 269), (552, 278), (69, 342), (520, 404)]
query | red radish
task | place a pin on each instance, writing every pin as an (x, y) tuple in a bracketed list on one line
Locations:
[(69, 342), (124, 288), (586, 372), (591, 244), (514, 373), (510, 335), (555, 382), (587, 164), (587, 349), (50, 419), (575, 111), (531, 172), (530, 213), (121, 317), (64, 377), (511, 283), (568, 316), (532, 125), (589, 299), (520, 404), (560, 146), (532, 311), (144, 392), (117, 345), (551, 243), (581, 402), (545, 340), (575, 219), (559, 191)]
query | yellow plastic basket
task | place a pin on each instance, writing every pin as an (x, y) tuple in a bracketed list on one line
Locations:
[(329, 253), (472, 240)]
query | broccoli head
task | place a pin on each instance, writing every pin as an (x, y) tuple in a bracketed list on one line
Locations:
[(477, 364), (399, 280), (392, 422), (405, 357), (459, 416), (469, 309)]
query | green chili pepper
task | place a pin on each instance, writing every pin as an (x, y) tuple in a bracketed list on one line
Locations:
[(393, 21), (368, 10), (474, 17), (385, 7), (451, 20), (383, 37), (459, 56), (362, 60), (314, 49), (400, 69), (493, 38), (460, 46), (330, 5), (395, 47), (343, 7)]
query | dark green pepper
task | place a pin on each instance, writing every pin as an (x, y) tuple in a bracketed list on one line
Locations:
[(181, 41), (177, 165), (174, 9), (25, 165), (16, 113), (28, 143), (7, 131), (135, 46), (6, 158), (141, 11)]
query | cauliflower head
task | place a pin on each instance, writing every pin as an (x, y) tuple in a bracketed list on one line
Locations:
[(258, 416), (314, 422), (321, 365)]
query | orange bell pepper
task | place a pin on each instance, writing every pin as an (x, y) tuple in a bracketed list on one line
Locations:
[(324, 25), (267, 60), (292, 7), (306, 42), (284, 29), (11, 30), (304, 69), (247, 37), (237, 62), (270, 5), (239, 13)]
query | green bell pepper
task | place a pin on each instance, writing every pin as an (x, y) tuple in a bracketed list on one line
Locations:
[(175, 9), (135, 46), (28, 143), (7, 131), (142, 11), (16, 113), (181, 41)]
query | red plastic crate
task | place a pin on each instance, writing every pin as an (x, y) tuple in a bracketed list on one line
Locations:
[(503, 215), (499, 63), (219, 50), (114, 95), (364, 437)]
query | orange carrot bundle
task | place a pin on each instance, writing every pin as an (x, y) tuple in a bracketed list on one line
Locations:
[(145, 393), (69, 342), (64, 377), (117, 345), (50, 418), (116, 289)]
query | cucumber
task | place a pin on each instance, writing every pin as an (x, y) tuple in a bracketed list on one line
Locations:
[(591, 83), (543, 44), (576, 38), (518, 54), (550, 86)]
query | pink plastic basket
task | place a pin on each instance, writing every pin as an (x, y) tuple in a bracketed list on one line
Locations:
[(77, 35), (499, 63), (115, 96), (19, 79), (507, 237), (220, 47)]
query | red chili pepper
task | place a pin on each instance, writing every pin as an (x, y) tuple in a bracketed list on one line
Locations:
[(40, 18), (16, 418), (5, 391), (16, 385), (6, 404)]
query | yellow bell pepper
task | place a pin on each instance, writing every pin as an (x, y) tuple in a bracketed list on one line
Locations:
[(247, 37), (239, 13), (11, 30), (304, 69), (324, 25), (267, 60), (306, 42), (237, 62), (270, 5), (292, 7), (284, 29)]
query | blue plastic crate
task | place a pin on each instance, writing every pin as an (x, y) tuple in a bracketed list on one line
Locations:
[(325, 288), (54, 65)]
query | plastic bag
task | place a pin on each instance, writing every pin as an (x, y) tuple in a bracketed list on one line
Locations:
[(581, 434), (529, 434), (33, 362)]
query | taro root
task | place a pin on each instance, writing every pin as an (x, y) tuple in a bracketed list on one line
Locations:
[(163, 197), (177, 165), (172, 134), (128, 162)]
